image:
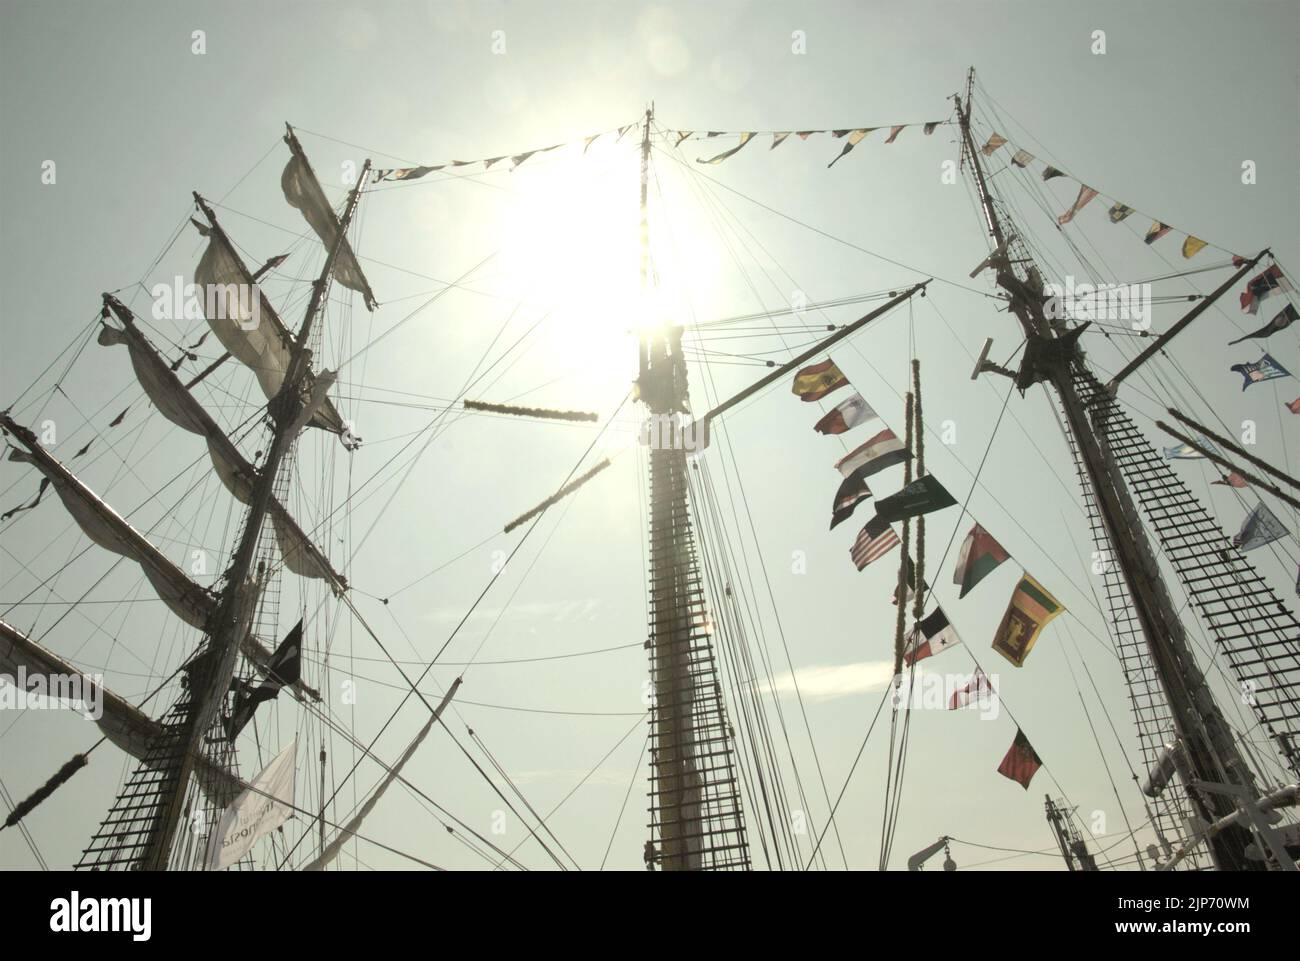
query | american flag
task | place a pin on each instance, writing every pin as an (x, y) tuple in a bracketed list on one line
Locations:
[(874, 541)]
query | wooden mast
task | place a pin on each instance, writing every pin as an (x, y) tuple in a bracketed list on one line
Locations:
[(1050, 354), (696, 821), (224, 645)]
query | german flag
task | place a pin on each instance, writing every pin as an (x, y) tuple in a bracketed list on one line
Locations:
[(815, 382), (1022, 761), (1030, 609)]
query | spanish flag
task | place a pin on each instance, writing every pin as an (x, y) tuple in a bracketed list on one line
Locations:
[(815, 382), (1030, 609)]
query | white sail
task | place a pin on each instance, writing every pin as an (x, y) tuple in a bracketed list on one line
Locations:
[(179, 406), (187, 600), (264, 806), (303, 190), (238, 315), (124, 724), (249, 328), (347, 831)]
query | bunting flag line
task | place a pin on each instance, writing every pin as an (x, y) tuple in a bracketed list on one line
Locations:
[(1261, 287), (873, 542), (1030, 610), (815, 382), (1021, 762), (778, 139), (894, 132), (1266, 368), (1119, 212), (1260, 527), (1284, 319), (855, 137), (925, 495), (930, 127), (1293, 406), (1155, 232), (744, 139), (846, 415), (974, 691), (394, 174), (853, 491), (932, 635), (881, 451), (994, 142), (980, 556), (1232, 479), (1086, 194)]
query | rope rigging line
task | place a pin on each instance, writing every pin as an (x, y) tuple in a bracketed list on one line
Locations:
[(709, 385)]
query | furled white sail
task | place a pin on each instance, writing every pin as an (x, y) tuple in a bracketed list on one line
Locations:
[(348, 830), (249, 328), (181, 407), (303, 190), (300, 555), (103, 525), (238, 314), (124, 724), (158, 382)]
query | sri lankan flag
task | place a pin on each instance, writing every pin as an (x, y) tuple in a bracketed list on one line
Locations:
[(815, 382), (1030, 609), (1022, 761), (980, 555)]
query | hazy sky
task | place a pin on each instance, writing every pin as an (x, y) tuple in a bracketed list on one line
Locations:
[(134, 120)]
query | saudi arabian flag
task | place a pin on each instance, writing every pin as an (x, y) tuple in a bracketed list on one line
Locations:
[(980, 555), (919, 497)]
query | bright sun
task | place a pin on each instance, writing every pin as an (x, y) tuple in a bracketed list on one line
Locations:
[(574, 227)]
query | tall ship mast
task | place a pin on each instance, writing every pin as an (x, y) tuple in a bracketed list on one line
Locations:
[(736, 775)]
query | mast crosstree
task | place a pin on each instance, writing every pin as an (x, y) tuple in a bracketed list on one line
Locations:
[(1214, 772)]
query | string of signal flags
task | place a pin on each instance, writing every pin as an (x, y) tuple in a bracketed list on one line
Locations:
[(852, 136), (1031, 606)]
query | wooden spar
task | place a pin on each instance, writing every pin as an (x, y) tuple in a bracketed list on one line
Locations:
[(560, 494), (1224, 442), (820, 347), (702, 439), (539, 412), (1222, 462), (1178, 328), (284, 409)]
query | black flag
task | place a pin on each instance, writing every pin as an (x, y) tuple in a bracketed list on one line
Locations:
[(285, 667), (853, 491)]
